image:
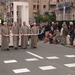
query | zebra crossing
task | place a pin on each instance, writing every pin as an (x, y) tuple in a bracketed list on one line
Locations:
[(38, 58)]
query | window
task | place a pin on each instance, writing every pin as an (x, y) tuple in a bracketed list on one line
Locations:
[(34, 7), (44, 6), (58, 0), (37, 6)]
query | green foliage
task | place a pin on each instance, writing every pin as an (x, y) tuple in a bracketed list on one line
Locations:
[(51, 16), (38, 17), (43, 18)]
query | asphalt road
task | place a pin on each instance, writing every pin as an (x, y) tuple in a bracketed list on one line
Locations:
[(47, 59)]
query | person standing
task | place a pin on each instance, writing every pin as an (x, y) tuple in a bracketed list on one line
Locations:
[(65, 33), (47, 29), (5, 37), (71, 32), (15, 32), (61, 35), (24, 38), (0, 27), (34, 36)]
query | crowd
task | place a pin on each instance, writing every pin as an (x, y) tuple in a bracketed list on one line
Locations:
[(24, 31), (55, 33)]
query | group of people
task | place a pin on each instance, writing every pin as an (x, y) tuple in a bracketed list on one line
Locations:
[(53, 33), (56, 33), (24, 31)]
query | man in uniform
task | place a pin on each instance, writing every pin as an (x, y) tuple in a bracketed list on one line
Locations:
[(24, 38), (34, 38), (5, 37), (15, 32)]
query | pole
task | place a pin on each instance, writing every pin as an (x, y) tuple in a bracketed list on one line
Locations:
[(64, 9), (49, 5), (10, 12), (49, 12)]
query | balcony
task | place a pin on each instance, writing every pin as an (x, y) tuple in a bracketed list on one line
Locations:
[(53, 2), (66, 4)]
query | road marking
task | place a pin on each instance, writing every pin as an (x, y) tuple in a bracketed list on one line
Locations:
[(70, 65), (68, 74), (10, 61), (52, 57), (23, 70), (35, 55), (31, 59), (47, 67), (70, 56)]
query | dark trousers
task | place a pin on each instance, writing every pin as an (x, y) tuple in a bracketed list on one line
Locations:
[(50, 40), (41, 36), (71, 40)]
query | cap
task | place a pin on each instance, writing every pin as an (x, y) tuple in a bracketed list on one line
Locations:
[(71, 23)]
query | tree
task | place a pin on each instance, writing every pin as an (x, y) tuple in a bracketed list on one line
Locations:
[(51, 16), (46, 17), (38, 17)]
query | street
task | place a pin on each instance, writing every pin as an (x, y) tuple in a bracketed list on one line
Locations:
[(46, 59)]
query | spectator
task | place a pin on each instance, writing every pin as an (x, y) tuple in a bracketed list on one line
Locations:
[(56, 36), (41, 33), (58, 26), (61, 34), (65, 33), (47, 29), (71, 32), (50, 37)]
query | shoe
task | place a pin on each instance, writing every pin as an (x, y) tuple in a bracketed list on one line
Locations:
[(25, 48), (34, 47), (15, 48), (7, 49)]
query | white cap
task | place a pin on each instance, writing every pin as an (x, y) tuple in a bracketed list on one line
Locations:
[(52, 22), (71, 23), (4, 22)]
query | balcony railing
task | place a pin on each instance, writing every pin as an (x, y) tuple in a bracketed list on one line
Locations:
[(66, 4), (53, 2)]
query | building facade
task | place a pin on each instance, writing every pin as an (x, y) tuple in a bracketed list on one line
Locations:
[(34, 6), (2, 10), (65, 10)]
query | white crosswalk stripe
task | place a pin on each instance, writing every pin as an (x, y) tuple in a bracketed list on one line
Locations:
[(70, 56), (47, 67), (36, 59), (52, 57), (40, 57), (70, 65), (31, 59), (23, 70), (10, 61)]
